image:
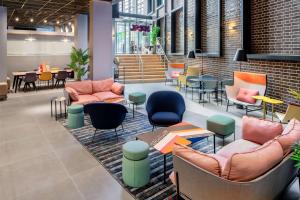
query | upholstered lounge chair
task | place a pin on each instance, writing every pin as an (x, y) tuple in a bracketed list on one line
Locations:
[(249, 81), (165, 108)]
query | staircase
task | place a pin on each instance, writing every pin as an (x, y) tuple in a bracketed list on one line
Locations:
[(141, 69)]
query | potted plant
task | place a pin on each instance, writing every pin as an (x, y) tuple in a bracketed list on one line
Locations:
[(296, 157), (79, 60), (153, 37)]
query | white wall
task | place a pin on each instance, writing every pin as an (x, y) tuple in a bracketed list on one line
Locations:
[(26, 56)]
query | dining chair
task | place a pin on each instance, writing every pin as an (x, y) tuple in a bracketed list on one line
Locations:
[(61, 77), (190, 83), (222, 90), (208, 87), (45, 77), (30, 78)]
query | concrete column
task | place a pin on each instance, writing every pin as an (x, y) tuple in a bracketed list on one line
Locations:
[(3, 44), (81, 31), (100, 40)]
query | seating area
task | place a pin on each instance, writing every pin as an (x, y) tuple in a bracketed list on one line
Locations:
[(149, 100)]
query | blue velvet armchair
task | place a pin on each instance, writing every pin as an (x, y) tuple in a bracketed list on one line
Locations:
[(106, 115), (165, 108)]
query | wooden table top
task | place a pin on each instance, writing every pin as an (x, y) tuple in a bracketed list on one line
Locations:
[(37, 72)]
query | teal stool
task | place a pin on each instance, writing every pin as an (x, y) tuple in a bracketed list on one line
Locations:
[(136, 164), (136, 98), (222, 126), (75, 116)]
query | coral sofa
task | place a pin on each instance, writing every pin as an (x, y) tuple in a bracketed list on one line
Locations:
[(256, 167), (85, 92)]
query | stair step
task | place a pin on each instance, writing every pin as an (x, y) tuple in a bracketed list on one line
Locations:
[(158, 80)]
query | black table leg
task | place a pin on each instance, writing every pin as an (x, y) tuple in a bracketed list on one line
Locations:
[(17, 84), (214, 144), (133, 110), (165, 168), (14, 82)]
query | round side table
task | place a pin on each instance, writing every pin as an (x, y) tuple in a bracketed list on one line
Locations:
[(62, 102)]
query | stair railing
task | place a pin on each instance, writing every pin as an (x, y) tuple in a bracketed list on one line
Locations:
[(141, 63), (162, 54)]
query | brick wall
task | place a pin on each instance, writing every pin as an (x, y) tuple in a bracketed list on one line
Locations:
[(275, 28)]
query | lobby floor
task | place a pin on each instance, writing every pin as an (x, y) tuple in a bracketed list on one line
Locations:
[(40, 159)]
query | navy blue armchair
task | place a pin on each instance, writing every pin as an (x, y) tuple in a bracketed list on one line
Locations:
[(106, 115), (165, 108)]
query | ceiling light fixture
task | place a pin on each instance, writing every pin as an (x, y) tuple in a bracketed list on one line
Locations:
[(17, 19), (57, 22), (31, 20), (45, 21), (70, 23)]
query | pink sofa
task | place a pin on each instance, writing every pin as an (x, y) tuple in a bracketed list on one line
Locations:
[(84, 92), (256, 167)]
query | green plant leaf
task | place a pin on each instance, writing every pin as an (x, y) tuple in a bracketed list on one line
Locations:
[(79, 60)]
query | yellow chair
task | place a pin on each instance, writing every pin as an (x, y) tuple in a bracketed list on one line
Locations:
[(45, 77), (293, 111), (193, 70)]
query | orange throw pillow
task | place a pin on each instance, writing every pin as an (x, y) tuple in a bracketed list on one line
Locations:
[(290, 136), (260, 131), (246, 95), (203, 161), (73, 93), (247, 166), (117, 88)]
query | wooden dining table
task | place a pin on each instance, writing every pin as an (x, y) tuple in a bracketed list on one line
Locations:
[(18, 75)]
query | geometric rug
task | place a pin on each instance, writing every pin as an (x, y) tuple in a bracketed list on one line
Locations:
[(107, 149)]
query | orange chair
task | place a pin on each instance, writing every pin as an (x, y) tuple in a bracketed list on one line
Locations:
[(45, 77)]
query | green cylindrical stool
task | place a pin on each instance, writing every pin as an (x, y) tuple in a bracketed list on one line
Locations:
[(136, 98), (75, 116), (136, 164)]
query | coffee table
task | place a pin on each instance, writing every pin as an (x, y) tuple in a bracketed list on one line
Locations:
[(164, 139)]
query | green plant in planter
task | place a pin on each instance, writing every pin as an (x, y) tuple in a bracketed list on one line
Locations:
[(295, 93), (79, 60), (296, 154), (153, 37)]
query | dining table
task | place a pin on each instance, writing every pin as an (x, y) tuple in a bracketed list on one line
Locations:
[(17, 76), (203, 78)]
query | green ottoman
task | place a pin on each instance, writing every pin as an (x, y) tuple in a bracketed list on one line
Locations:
[(75, 116), (221, 125), (136, 98), (136, 164)]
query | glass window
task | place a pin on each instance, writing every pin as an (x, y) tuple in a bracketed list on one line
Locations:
[(159, 2), (150, 6)]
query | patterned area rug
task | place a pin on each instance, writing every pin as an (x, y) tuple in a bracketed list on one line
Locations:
[(107, 149)]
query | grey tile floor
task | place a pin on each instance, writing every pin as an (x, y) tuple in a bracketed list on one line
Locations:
[(39, 159)]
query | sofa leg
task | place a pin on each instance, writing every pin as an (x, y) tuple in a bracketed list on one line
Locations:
[(153, 128), (177, 186)]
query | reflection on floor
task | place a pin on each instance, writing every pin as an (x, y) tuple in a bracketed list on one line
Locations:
[(39, 159)]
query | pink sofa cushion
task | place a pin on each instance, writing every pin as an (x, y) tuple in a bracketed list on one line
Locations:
[(82, 87), (259, 130), (290, 135), (246, 95), (102, 85), (102, 96), (73, 93), (117, 88), (86, 99), (250, 165), (203, 161), (238, 146)]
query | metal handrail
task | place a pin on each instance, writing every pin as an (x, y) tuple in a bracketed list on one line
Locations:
[(163, 54), (141, 63)]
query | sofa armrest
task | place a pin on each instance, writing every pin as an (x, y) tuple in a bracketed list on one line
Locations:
[(67, 96), (231, 91)]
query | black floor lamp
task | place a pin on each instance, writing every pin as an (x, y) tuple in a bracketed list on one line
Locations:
[(240, 56), (191, 55)]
